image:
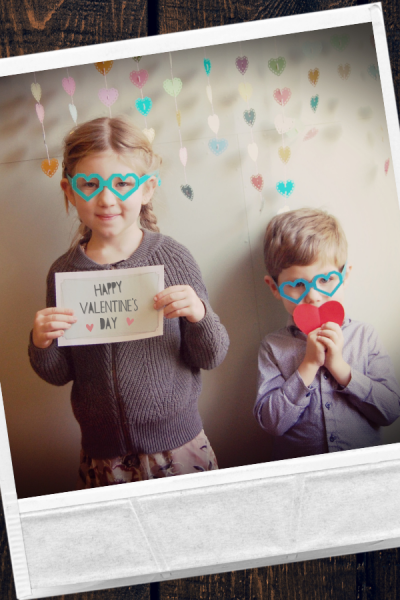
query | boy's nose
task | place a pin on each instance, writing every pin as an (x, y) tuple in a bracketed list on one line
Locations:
[(312, 297)]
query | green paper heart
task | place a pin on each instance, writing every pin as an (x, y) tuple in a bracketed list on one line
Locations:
[(136, 58), (250, 116), (173, 87), (340, 41), (277, 65)]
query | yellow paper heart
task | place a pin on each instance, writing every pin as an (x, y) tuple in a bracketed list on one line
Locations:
[(245, 90), (178, 117), (284, 153), (104, 67), (313, 76), (36, 91), (49, 168), (150, 134)]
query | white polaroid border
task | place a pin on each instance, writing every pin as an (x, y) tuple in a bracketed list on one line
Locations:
[(222, 520), (60, 277)]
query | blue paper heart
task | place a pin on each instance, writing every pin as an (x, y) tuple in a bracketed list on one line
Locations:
[(314, 102), (218, 146), (207, 65), (373, 71), (250, 116), (144, 105), (285, 189)]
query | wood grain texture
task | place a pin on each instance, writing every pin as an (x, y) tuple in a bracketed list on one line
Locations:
[(35, 26), (28, 26), (332, 578)]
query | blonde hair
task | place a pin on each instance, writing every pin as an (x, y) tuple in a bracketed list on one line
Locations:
[(302, 236), (121, 136)]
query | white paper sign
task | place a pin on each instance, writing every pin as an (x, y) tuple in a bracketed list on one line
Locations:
[(111, 306)]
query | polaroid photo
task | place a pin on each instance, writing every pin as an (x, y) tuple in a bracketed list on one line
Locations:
[(246, 123)]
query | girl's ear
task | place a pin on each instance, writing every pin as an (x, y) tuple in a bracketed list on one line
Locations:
[(273, 287), (149, 189), (68, 191)]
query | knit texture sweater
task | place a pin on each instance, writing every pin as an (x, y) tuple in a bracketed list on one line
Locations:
[(138, 396)]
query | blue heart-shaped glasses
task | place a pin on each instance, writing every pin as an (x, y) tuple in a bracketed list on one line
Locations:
[(325, 283), (88, 186)]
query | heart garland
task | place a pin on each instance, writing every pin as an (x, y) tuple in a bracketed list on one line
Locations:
[(143, 104), (49, 165), (249, 116), (107, 96), (216, 145), (283, 124), (69, 86), (173, 87)]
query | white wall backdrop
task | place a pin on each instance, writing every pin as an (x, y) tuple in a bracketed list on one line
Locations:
[(341, 168)]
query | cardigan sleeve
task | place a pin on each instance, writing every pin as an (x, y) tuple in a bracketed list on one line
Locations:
[(205, 343)]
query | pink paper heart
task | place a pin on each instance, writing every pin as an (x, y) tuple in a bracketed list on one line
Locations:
[(257, 181), (129, 321), (139, 78), (387, 163), (282, 96), (242, 62), (310, 134), (308, 317), (40, 112), (68, 84), (108, 96), (183, 156), (89, 327)]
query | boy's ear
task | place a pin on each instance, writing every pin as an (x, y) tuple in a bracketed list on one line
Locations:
[(273, 287), (347, 276), (68, 191)]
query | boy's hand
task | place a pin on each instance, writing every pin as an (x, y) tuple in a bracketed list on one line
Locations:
[(331, 336), (180, 301), (313, 359), (50, 323)]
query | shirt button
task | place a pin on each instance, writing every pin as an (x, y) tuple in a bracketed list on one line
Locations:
[(325, 376), (328, 405), (332, 438)]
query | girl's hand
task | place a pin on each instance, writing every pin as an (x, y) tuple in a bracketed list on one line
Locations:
[(50, 323), (331, 336), (180, 301)]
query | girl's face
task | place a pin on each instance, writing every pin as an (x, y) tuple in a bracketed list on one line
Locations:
[(105, 214)]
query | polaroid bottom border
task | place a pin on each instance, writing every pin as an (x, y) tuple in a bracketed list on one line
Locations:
[(212, 528)]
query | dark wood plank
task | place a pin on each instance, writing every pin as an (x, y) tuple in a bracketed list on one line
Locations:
[(331, 578), (35, 26)]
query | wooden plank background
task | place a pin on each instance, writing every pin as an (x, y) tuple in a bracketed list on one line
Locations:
[(35, 26)]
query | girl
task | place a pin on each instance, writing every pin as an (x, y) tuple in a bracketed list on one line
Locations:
[(136, 401)]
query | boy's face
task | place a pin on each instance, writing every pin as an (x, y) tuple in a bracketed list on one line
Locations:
[(308, 272)]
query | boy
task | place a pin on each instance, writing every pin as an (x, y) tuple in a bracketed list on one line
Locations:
[(333, 389)]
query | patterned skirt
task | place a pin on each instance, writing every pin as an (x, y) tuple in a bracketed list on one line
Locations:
[(193, 457)]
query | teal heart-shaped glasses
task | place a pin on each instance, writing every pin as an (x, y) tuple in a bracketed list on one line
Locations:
[(123, 186), (325, 283)]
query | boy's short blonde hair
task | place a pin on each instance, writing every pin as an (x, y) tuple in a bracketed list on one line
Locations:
[(301, 237)]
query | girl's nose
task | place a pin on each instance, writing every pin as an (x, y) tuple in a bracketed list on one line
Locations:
[(106, 197)]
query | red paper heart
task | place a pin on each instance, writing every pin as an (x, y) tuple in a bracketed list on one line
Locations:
[(308, 318), (89, 327)]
